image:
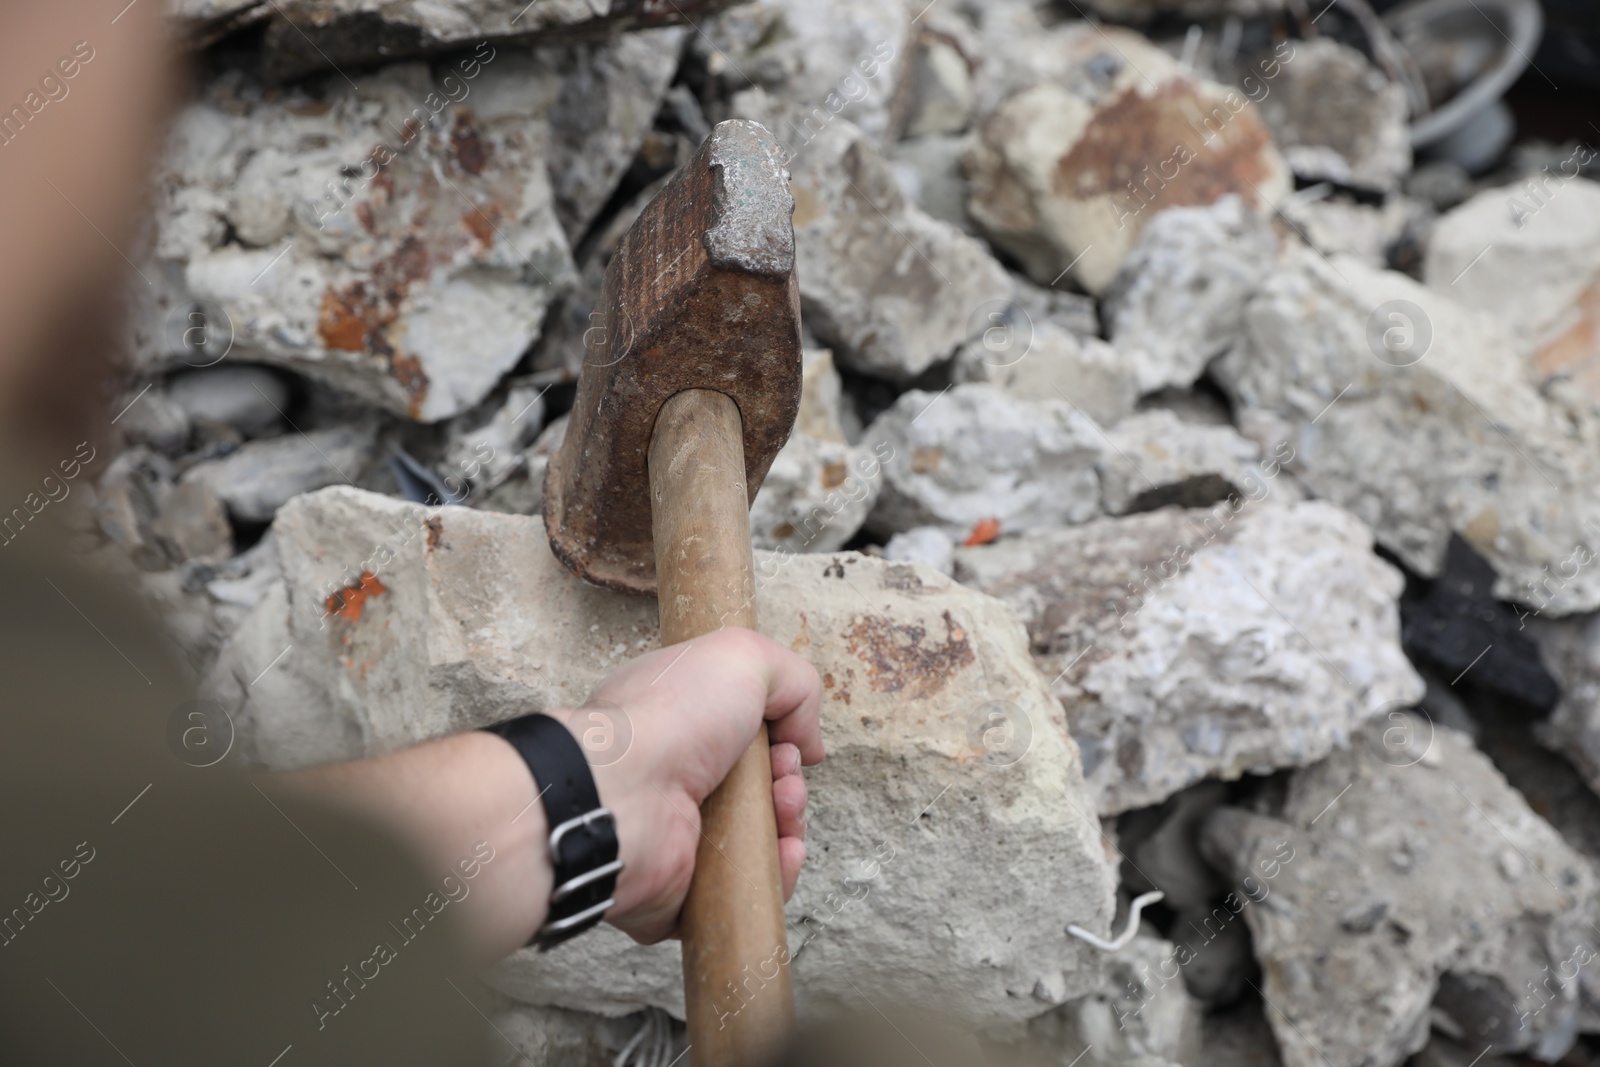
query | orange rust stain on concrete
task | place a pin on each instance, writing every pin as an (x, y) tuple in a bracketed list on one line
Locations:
[(481, 225), (435, 527), (983, 532), (1136, 139), (897, 660), (925, 460), (469, 151), (357, 317), (409, 373), (350, 602), (342, 319), (1576, 351)]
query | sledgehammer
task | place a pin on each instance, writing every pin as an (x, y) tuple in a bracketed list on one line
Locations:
[(690, 385)]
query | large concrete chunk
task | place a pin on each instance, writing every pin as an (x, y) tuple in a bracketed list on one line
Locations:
[(975, 454), (1570, 648), (398, 235), (1335, 116), (260, 476), (1154, 458), (892, 289), (1530, 255), (1404, 875), (1205, 644), (1414, 412), (946, 751), (1040, 360), (1068, 172), (1179, 300), (315, 35), (830, 58)]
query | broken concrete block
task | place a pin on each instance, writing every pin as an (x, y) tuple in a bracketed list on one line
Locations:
[(1339, 225), (1155, 458), (1038, 360), (262, 475), (941, 90), (1571, 650), (929, 172), (891, 289), (1135, 1018), (405, 624), (821, 397), (974, 453), (1527, 253), (252, 400), (1334, 115), (1205, 644), (1470, 905), (398, 235), (314, 35), (1068, 172), (485, 447), (831, 59), (925, 544), (820, 488), (580, 1038), (1359, 368), (149, 417), (816, 495), (1179, 300)]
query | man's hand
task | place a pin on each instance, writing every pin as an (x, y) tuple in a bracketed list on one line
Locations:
[(692, 709)]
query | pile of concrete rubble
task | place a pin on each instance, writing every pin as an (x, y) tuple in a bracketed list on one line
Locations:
[(1153, 525)]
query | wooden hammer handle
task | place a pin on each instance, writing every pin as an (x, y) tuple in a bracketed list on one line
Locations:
[(740, 1007)]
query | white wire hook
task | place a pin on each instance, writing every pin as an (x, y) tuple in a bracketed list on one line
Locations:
[(1123, 938)]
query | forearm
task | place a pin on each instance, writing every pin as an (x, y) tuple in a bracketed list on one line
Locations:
[(444, 797)]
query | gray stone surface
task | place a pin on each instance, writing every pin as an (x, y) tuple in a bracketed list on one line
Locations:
[(1570, 649), (820, 488), (400, 235), (578, 1038), (1067, 173), (252, 400), (314, 35), (1338, 225), (975, 452), (1205, 644), (1370, 919), (929, 172), (831, 59), (1529, 254), (1335, 116), (459, 618), (1137, 1018), (1179, 300), (262, 475), (816, 495), (925, 544), (941, 90), (1154, 458), (1037, 359), (485, 447), (890, 288), (1415, 413)]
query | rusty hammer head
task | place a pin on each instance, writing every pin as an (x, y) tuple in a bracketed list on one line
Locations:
[(700, 294)]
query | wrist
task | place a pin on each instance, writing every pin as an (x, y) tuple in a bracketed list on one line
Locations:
[(581, 849)]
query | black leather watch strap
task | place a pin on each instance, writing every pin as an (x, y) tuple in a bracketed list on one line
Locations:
[(583, 834)]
